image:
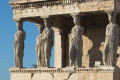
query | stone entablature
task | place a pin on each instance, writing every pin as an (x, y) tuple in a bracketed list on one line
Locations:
[(26, 1), (46, 3), (62, 70), (61, 7)]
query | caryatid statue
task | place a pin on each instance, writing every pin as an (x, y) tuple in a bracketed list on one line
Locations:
[(111, 41), (47, 42), (39, 54), (75, 50), (19, 45)]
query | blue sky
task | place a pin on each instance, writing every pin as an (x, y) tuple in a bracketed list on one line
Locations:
[(7, 32)]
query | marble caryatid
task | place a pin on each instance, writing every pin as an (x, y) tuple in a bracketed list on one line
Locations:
[(75, 50), (19, 45), (111, 41), (47, 42), (39, 54)]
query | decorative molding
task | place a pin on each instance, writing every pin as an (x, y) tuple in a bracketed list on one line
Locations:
[(47, 3), (62, 70)]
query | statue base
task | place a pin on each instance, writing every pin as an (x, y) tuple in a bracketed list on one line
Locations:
[(68, 73)]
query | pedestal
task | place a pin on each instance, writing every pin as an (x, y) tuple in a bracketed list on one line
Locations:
[(95, 73)]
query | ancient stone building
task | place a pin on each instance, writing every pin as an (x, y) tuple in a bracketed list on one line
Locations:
[(86, 36)]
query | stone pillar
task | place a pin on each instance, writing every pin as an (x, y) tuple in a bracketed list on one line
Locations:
[(76, 45), (85, 60), (58, 49), (111, 40), (19, 44), (47, 42), (39, 55)]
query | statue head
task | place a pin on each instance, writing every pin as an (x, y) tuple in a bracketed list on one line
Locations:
[(76, 20), (112, 16), (19, 25), (46, 22)]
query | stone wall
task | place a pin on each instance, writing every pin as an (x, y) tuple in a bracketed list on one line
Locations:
[(98, 73), (93, 44)]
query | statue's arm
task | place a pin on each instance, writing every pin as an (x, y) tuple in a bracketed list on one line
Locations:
[(15, 39)]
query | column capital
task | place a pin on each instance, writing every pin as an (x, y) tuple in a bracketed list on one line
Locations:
[(17, 19), (44, 17), (75, 14), (110, 12)]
